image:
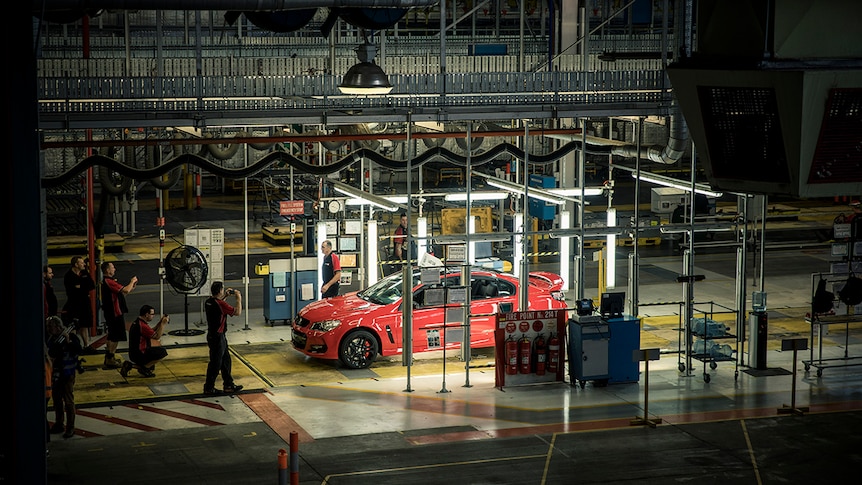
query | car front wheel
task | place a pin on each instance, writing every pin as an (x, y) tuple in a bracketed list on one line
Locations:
[(358, 350)]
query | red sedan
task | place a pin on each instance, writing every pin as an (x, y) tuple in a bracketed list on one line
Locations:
[(357, 327)]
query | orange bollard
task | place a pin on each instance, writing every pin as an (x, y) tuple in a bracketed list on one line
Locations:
[(282, 466), (294, 458)]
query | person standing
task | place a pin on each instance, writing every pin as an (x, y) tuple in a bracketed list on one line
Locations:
[(217, 310), (399, 242), (114, 307), (50, 298), (78, 310), (142, 353), (64, 347), (331, 271)]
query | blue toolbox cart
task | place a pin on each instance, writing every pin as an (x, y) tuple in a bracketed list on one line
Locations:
[(589, 343), (288, 287), (601, 350)]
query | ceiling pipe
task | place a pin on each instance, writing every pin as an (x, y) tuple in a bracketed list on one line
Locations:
[(243, 5), (668, 154)]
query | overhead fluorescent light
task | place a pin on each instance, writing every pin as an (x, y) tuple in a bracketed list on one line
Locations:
[(532, 192), (366, 197), (576, 192), (676, 184), (666, 181), (487, 195)]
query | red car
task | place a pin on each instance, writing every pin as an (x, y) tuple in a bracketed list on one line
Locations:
[(357, 327)]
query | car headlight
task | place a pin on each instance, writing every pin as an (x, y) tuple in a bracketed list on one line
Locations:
[(558, 295), (325, 325)]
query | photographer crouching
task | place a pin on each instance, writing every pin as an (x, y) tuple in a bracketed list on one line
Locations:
[(143, 355), (64, 349)]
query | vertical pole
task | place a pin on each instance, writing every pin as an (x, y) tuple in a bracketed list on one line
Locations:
[(198, 189), (282, 467), (294, 458), (535, 238), (646, 389), (793, 385)]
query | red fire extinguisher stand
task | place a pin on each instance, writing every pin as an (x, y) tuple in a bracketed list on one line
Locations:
[(529, 347)]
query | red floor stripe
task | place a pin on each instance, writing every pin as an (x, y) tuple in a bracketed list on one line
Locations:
[(114, 420), (275, 417), (207, 404), (174, 414)]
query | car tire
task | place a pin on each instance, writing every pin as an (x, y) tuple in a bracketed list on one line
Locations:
[(358, 350)]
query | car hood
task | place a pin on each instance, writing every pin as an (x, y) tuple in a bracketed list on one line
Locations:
[(337, 307)]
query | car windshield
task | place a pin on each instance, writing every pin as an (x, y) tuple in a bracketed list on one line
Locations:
[(387, 290)]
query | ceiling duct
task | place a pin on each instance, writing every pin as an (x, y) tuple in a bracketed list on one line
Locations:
[(676, 144), (776, 108), (280, 21)]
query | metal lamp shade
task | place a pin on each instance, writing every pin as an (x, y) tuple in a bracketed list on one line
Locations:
[(365, 78)]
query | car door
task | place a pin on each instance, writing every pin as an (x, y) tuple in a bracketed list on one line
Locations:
[(428, 319), (487, 292)]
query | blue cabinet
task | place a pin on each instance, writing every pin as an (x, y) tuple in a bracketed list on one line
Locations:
[(625, 339), (289, 286), (539, 208), (602, 350)]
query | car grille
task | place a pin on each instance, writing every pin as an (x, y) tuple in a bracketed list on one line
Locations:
[(299, 340)]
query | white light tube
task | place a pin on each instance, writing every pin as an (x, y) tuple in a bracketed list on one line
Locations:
[(372, 252), (395, 199), (518, 229), (422, 236), (611, 276), (321, 236), (462, 196), (565, 249), (668, 182), (471, 247), (575, 192), (532, 192), (368, 197)]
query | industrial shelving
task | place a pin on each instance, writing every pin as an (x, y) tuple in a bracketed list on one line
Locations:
[(700, 342)]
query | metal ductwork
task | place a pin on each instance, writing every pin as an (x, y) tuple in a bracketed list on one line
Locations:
[(668, 154)]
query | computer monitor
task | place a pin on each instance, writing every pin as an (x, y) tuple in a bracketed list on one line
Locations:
[(612, 304)]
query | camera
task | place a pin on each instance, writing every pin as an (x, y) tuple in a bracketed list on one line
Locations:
[(230, 291)]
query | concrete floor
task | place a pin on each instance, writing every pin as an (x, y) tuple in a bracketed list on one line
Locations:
[(388, 424)]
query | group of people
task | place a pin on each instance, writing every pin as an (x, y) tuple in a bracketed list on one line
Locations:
[(67, 335), (68, 329)]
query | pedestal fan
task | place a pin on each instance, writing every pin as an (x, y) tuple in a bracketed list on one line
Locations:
[(186, 271)]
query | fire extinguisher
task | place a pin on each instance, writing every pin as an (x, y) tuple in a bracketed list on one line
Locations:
[(541, 355), (553, 353), (511, 356), (525, 348)]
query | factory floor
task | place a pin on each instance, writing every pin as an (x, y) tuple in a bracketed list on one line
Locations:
[(794, 418)]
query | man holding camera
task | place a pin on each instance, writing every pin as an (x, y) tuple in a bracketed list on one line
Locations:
[(114, 307), (142, 354), (217, 310)]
